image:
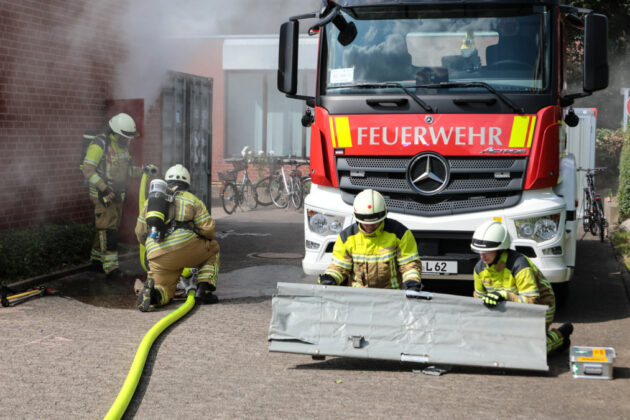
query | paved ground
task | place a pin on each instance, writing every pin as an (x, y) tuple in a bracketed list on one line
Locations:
[(65, 358)]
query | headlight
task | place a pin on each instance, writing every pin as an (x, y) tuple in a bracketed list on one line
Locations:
[(539, 229), (324, 224)]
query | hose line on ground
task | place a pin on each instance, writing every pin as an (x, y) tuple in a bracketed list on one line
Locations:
[(129, 387)]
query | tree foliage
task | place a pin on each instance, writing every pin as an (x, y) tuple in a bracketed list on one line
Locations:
[(609, 101)]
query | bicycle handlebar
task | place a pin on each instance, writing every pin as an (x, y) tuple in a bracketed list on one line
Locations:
[(592, 170)]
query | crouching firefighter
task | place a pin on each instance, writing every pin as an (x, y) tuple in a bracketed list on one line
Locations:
[(504, 274), (106, 165), (178, 233), (375, 251)]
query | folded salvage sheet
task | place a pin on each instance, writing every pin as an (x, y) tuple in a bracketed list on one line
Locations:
[(391, 325)]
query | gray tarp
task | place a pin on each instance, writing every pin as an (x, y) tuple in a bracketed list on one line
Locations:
[(386, 324)]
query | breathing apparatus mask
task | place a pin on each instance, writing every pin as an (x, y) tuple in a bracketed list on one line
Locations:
[(160, 199)]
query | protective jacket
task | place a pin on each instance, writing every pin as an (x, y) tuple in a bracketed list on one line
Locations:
[(188, 219), (384, 258), (515, 274), (108, 164)]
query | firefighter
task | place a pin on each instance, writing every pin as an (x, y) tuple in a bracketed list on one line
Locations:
[(504, 274), (106, 167), (375, 251), (187, 243)]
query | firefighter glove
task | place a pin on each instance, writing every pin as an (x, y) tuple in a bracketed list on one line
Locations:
[(327, 280), (414, 285), (105, 197), (150, 169), (492, 299)]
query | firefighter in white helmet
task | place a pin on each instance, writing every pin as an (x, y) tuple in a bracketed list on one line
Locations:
[(375, 251), (106, 166), (504, 274), (188, 242)]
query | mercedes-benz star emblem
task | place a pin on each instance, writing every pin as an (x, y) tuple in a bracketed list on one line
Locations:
[(428, 173)]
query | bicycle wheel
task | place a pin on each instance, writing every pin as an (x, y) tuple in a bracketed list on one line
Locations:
[(296, 192), (594, 223), (228, 198), (249, 195), (263, 196), (601, 222), (279, 194)]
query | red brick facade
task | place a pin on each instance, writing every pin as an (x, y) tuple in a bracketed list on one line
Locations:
[(56, 71)]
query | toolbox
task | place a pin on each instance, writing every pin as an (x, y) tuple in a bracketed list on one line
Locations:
[(592, 362)]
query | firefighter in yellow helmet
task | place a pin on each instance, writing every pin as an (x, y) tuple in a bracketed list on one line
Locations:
[(106, 166), (188, 241), (375, 251), (504, 274)]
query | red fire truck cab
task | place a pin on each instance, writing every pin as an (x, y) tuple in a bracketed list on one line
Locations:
[(455, 111)]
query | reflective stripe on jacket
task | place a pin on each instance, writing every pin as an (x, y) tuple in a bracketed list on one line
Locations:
[(107, 164), (516, 274), (384, 258), (185, 208)]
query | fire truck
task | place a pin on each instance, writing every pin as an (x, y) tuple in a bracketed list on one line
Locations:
[(456, 112)]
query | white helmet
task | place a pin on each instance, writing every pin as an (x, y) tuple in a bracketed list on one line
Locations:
[(124, 125), (369, 207), (178, 173), (490, 236)]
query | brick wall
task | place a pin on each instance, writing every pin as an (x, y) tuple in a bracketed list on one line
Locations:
[(56, 70)]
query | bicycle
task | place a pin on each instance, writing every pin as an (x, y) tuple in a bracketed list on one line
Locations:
[(231, 194), (593, 219), (284, 189), (263, 193)]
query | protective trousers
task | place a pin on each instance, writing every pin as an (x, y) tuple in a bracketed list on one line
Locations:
[(554, 337), (105, 247), (166, 268)]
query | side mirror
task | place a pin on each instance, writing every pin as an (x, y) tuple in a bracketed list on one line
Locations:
[(595, 52), (288, 57)]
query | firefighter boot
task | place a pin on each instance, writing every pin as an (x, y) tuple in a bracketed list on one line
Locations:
[(204, 293), (566, 330), (148, 296), (115, 274)]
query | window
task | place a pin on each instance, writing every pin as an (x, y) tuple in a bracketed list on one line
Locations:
[(259, 116)]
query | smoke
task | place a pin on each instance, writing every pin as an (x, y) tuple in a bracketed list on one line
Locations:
[(163, 35)]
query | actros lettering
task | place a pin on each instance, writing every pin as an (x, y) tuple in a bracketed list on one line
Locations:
[(428, 136), (505, 151)]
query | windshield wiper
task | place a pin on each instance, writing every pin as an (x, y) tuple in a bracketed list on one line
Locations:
[(428, 108), (446, 85)]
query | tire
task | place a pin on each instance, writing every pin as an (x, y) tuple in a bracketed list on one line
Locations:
[(249, 195), (279, 194), (296, 193), (594, 224), (228, 198), (263, 197)]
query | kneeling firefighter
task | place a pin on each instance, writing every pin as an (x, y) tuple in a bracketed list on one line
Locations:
[(178, 233), (504, 274)]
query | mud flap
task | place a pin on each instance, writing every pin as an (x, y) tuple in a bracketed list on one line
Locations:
[(407, 326)]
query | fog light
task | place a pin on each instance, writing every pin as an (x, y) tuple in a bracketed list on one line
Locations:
[(311, 245), (556, 250)]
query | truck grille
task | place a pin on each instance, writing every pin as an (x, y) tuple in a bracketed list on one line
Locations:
[(475, 184)]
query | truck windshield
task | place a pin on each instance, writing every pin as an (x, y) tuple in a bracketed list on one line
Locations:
[(504, 48)]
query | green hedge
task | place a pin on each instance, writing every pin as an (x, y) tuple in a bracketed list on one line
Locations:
[(38, 250), (623, 194)]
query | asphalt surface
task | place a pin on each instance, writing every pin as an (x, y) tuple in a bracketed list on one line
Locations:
[(67, 356)]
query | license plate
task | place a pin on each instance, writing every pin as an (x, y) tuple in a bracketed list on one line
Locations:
[(439, 267)]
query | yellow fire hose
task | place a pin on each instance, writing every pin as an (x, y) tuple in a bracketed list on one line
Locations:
[(129, 387), (142, 196)]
